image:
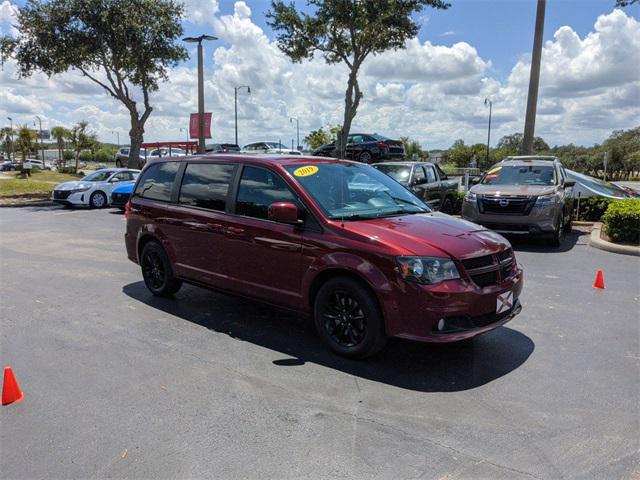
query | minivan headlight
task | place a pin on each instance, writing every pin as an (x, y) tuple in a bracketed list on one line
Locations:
[(544, 200), (470, 196), (427, 270)]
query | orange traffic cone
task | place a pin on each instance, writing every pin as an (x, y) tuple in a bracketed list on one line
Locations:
[(599, 281), (10, 390)]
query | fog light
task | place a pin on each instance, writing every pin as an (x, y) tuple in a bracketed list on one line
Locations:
[(441, 324)]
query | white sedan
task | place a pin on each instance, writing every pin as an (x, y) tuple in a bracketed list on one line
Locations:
[(93, 190)]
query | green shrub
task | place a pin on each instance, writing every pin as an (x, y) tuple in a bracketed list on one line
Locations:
[(68, 155), (86, 156), (591, 208), (103, 155), (456, 207), (622, 221)]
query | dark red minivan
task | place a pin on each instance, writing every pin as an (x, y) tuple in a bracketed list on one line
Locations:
[(336, 240)]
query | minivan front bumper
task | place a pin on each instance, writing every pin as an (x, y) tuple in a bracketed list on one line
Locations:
[(451, 311)]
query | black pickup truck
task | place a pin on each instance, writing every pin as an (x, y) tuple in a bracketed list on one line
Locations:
[(426, 180)]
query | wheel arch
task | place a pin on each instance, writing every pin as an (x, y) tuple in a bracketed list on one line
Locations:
[(330, 273)]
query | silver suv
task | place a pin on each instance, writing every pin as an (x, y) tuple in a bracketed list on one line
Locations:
[(527, 195)]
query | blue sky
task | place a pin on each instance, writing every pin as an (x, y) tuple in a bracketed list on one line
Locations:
[(432, 91), (500, 30)]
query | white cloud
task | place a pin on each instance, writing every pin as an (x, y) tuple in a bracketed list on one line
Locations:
[(8, 14), (433, 93), (200, 11)]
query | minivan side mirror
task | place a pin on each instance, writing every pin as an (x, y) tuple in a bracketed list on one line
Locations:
[(569, 183), (284, 212), (475, 180)]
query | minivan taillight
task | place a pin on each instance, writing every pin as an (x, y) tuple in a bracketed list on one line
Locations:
[(127, 210)]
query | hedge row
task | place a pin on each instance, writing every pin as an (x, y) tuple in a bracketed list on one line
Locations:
[(622, 221)]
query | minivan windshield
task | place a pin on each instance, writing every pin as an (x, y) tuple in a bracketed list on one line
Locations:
[(353, 191), (520, 175)]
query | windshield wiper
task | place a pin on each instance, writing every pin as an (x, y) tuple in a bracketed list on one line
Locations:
[(406, 202)]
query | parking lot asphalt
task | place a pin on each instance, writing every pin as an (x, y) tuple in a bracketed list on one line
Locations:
[(118, 383)]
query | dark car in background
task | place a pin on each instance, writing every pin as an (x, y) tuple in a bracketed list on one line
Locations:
[(523, 195), (335, 240), (426, 180), (222, 148), (366, 148), (9, 166)]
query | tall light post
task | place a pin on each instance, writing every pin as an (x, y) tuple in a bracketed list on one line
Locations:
[(199, 40), (235, 99), (12, 152), (291, 119), (534, 80), (487, 101), (118, 135), (40, 135)]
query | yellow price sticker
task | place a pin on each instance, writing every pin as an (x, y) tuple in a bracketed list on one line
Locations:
[(305, 171)]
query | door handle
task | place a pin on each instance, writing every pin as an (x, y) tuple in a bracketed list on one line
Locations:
[(215, 226), (235, 230)]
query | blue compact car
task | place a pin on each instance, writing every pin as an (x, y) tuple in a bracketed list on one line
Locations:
[(121, 194)]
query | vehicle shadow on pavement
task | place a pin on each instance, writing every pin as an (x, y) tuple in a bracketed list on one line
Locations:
[(410, 365), (523, 244)]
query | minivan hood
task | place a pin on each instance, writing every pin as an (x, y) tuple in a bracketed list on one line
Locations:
[(430, 234), (513, 190)]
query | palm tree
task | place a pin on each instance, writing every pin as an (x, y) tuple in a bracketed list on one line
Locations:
[(59, 133), (24, 143), (81, 138), (6, 136)]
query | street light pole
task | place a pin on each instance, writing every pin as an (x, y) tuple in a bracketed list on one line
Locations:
[(487, 101), (235, 97), (534, 80), (291, 119), (12, 152), (198, 40), (118, 135), (41, 144)]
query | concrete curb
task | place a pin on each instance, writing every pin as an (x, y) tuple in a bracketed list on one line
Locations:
[(597, 242)]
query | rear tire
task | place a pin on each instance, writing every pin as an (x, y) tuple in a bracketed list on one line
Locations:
[(157, 272), (447, 206), (365, 157), (348, 319)]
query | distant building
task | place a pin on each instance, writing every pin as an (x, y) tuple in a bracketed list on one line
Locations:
[(436, 156)]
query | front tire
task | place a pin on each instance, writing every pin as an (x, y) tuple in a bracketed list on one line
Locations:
[(348, 319), (98, 200), (157, 272), (558, 236)]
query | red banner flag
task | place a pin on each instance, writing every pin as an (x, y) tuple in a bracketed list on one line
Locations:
[(193, 125)]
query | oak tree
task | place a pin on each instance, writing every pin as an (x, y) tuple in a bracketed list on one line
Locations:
[(124, 46), (346, 31)]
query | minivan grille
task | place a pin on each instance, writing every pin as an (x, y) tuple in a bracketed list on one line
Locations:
[(489, 269), (506, 205)]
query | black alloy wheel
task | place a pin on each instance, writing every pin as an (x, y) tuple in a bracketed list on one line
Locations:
[(348, 318), (156, 271)]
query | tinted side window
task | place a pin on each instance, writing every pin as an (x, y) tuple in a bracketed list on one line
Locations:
[(431, 176), (258, 189), (418, 175), (157, 181), (206, 185)]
